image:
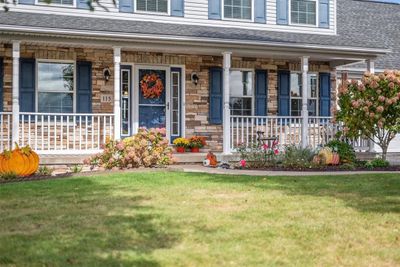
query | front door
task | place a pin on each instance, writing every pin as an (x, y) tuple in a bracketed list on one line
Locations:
[(152, 90)]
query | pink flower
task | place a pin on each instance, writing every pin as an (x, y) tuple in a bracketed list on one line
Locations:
[(379, 109), (243, 163), (361, 88), (120, 146), (374, 84), (265, 146), (381, 98), (388, 102), (391, 85), (276, 151), (355, 104), (275, 143)]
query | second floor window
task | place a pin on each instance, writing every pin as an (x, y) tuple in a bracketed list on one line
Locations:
[(158, 6), (303, 12), (237, 9), (58, 2)]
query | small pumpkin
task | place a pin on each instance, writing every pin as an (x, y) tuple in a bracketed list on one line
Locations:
[(326, 155), (335, 159)]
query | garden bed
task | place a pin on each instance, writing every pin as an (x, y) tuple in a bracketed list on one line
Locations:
[(325, 169)]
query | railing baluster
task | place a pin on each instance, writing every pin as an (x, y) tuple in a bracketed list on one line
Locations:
[(86, 132), (98, 132), (80, 132)]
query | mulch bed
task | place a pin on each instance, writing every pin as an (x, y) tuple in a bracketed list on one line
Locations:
[(326, 169)]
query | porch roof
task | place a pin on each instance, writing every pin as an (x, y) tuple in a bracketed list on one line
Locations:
[(348, 46)]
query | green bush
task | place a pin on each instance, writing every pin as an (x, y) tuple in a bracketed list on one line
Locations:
[(76, 168), (45, 171), (297, 157), (346, 151), (377, 163), (348, 166), (8, 176)]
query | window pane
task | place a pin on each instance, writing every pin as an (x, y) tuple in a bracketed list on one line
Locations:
[(241, 83), (312, 107), (312, 86), (303, 12), (55, 77), (56, 102), (237, 9), (58, 2), (241, 106), (153, 5), (295, 84), (296, 107)]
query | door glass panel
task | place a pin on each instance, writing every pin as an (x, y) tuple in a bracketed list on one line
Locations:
[(125, 103), (175, 103), (152, 98)]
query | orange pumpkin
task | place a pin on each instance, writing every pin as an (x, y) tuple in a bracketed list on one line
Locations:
[(335, 159), (21, 161)]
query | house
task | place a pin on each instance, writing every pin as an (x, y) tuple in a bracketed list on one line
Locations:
[(223, 69)]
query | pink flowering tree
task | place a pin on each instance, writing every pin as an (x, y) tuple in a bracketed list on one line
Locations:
[(370, 108)]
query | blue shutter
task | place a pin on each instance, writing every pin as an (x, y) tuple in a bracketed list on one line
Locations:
[(126, 6), (324, 13), (26, 2), (282, 12), (216, 95), (84, 87), (284, 93), (214, 9), (83, 4), (324, 94), (1, 83), (261, 92), (259, 11), (177, 8), (27, 85)]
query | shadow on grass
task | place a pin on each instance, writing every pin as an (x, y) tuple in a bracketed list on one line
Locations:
[(81, 222), (369, 193)]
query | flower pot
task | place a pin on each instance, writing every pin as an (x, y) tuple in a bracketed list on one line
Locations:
[(195, 150), (180, 149)]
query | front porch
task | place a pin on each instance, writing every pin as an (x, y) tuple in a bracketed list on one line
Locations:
[(197, 99)]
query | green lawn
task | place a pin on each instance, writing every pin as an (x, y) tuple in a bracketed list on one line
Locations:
[(183, 219)]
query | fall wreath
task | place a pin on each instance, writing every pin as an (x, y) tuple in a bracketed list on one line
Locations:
[(151, 86)]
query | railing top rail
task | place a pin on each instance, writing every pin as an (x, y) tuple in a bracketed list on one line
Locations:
[(266, 117), (5, 113), (319, 117), (66, 114)]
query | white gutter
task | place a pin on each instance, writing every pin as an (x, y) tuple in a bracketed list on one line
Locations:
[(187, 39)]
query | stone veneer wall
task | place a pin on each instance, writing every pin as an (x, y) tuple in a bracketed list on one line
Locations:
[(197, 96)]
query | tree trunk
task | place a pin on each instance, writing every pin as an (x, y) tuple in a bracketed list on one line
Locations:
[(384, 152)]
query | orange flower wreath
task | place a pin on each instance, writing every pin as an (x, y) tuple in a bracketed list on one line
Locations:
[(151, 85)]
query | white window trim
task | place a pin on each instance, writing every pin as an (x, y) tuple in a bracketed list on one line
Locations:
[(233, 19), (129, 101), (302, 24), (168, 13), (254, 88), (55, 5), (37, 81), (179, 102), (308, 98)]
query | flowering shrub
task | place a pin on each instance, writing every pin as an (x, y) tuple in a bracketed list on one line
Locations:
[(181, 142), (147, 148), (197, 141), (258, 156), (371, 108)]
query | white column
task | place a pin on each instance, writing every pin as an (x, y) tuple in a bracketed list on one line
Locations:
[(117, 93), (15, 92), (371, 69), (226, 112), (304, 110)]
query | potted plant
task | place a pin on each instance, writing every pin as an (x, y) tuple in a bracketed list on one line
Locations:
[(196, 142), (181, 144)]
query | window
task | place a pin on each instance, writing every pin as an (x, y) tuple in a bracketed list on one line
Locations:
[(296, 95), (303, 12), (159, 6), (237, 9), (58, 2), (55, 87), (241, 92)]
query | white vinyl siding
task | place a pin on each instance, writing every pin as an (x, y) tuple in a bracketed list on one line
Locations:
[(237, 9), (152, 6), (195, 13), (303, 12)]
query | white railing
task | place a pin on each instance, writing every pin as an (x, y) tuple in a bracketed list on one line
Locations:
[(46, 132), (5, 130), (287, 130), (244, 129)]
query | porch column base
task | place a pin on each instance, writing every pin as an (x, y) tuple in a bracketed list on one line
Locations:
[(226, 112), (15, 93)]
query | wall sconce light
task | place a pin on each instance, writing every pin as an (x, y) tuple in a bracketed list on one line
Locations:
[(106, 74), (195, 78)]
